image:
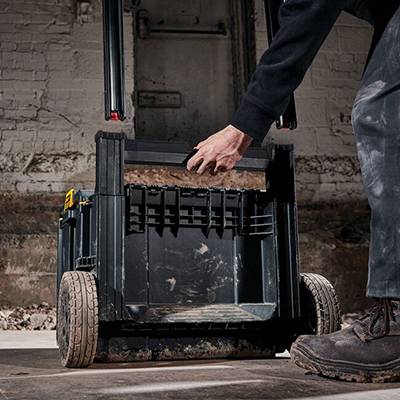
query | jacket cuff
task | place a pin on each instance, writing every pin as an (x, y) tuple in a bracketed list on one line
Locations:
[(252, 120)]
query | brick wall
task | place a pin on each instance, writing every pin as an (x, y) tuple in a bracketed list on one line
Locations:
[(51, 94), (51, 105)]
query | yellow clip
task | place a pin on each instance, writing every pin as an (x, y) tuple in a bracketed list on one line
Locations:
[(69, 200)]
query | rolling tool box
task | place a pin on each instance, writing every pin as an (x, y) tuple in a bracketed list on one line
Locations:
[(161, 272), (149, 272)]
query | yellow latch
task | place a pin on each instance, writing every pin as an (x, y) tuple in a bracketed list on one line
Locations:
[(69, 200)]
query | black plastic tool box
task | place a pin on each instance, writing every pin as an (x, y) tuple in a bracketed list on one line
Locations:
[(159, 272)]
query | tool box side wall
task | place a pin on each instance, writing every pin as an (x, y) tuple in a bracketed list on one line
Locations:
[(282, 177), (110, 231)]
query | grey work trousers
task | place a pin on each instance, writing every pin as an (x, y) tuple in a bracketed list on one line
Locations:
[(376, 124)]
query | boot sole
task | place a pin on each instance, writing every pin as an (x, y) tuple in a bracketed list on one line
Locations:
[(302, 358)]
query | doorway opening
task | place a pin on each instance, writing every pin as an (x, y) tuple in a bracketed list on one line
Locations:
[(193, 61)]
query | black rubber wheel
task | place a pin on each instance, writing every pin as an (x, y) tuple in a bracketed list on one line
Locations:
[(77, 319), (320, 309)]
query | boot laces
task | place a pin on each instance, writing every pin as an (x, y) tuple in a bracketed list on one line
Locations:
[(382, 308)]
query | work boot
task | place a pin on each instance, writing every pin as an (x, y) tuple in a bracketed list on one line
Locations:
[(366, 351)]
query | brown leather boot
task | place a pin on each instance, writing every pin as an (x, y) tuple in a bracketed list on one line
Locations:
[(366, 351)]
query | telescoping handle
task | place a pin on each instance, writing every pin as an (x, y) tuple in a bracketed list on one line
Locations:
[(114, 74), (114, 150), (178, 154)]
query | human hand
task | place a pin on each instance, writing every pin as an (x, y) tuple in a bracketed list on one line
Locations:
[(220, 151)]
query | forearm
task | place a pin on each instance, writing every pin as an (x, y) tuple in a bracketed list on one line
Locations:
[(304, 26)]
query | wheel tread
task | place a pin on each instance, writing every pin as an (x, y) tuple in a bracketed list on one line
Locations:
[(326, 302), (83, 303)]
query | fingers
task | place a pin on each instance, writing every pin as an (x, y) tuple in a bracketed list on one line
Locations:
[(204, 165), (217, 170), (213, 169), (201, 164), (221, 166), (194, 162), (215, 154)]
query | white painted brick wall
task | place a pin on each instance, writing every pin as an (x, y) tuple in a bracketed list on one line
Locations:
[(51, 94), (51, 101)]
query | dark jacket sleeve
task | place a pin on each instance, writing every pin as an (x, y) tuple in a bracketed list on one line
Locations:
[(304, 26), (368, 10)]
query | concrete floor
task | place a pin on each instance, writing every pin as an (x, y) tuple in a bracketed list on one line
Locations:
[(30, 369)]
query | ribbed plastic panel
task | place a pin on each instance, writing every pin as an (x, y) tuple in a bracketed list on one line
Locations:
[(244, 210)]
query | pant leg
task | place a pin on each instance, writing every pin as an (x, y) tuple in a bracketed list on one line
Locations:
[(376, 124)]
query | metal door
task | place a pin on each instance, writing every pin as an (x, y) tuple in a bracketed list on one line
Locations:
[(186, 67)]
